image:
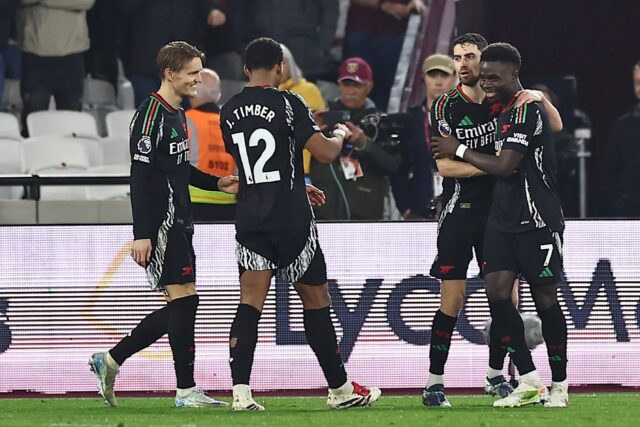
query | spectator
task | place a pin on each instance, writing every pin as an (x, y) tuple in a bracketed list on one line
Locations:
[(52, 35), (207, 151), (375, 31), (623, 172), (306, 27), (153, 23), (294, 81), (104, 32), (566, 156), (413, 184), (357, 183), (7, 18), (218, 45)]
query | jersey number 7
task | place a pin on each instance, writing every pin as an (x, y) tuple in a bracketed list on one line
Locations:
[(257, 174)]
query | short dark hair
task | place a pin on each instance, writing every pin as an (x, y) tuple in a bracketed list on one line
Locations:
[(175, 56), (263, 53), (471, 38), (502, 52)]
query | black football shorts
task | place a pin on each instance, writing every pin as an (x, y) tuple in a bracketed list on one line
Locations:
[(295, 253), (173, 260), (460, 233), (535, 254)]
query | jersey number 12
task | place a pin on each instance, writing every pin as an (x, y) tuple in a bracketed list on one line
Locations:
[(257, 174)]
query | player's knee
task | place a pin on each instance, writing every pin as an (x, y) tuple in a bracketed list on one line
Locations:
[(452, 303)]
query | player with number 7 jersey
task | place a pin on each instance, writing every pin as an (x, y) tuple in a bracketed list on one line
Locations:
[(265, 131)]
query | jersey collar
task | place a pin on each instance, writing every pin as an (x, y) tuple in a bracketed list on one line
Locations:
[(162, 101), (464, 95), (509, 104)]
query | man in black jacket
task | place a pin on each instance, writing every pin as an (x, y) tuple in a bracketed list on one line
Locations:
[(152, 24), (307, 27), (7, 18)]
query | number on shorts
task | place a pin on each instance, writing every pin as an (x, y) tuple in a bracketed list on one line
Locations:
[(257, 174), (549, 249)]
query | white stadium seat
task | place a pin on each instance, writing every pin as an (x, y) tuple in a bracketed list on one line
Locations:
[(53, 151), (66, 123), (118, 122), (99, 99), (10, 164), (108, 192), (62, 192), (98, 93), (11, 99), (9, 127), (115, 150)]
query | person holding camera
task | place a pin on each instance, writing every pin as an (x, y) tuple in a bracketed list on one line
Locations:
[(357, 182)]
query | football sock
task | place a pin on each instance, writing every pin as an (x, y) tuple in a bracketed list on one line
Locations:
[(554, 331), (435, 379), (242, 342), (497, 352), (321, 337), (492, 373), (510, 330), (149, 330), (532, 378), (181, 337), (181, 393), (441, 331)]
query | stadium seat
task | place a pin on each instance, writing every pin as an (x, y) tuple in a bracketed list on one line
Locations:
[(9, 127), (99, 99), (53, 151), (329, 90), (115, 150), (118, 122), (108, 192), (98, 92), (228, 88), (94, 149), (65, 123), (62, 192), (11, 99), (10, 164)]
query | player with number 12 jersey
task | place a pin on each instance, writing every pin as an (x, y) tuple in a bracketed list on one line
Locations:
[(272, 194)]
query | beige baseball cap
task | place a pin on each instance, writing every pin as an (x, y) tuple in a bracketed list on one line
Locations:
[(440, 62)]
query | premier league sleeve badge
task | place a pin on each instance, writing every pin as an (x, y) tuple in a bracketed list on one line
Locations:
[(144, 145)]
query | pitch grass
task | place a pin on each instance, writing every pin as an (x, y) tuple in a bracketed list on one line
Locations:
[(605, 409)]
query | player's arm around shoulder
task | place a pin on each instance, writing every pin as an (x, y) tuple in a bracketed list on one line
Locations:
[(528, 96)]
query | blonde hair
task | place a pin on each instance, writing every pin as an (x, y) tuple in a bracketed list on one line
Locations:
[(295, 73)]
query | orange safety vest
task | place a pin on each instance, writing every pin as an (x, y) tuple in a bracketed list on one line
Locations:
[(208, 154)]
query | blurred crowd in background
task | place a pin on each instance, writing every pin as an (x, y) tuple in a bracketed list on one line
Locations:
[(341, 56)]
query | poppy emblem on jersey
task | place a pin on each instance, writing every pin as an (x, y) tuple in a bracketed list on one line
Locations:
[(443, 128), (352, 67), (505, 128), (144, 145), (187, 271)]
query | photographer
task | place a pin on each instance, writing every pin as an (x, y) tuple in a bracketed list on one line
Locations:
[(357, 182)]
